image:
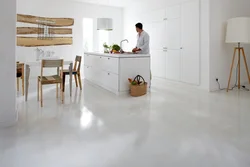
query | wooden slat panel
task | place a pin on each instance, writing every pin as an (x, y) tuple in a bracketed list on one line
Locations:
[(58, 22), (34, 42), (35, 30)]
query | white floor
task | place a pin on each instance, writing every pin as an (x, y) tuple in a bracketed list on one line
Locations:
[(174, 126)]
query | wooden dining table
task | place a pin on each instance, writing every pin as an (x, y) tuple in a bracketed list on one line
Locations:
[(29, 65)]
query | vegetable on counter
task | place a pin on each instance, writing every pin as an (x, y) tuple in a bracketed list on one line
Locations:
[(116, 47)]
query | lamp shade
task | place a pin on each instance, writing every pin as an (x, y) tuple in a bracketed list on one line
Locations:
[(238, 30), (104, 24)]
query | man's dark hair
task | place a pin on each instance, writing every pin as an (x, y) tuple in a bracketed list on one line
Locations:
[(139, 25)]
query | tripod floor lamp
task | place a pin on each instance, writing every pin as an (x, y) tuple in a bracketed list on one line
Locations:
[(238, 32)]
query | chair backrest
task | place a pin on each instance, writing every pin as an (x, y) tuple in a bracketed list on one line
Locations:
[(19, 65), (19, 69), (78, 61), (52, 64)]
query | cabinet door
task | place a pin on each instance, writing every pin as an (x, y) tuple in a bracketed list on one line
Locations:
[(157, 15), (173, 37), (97, 62), (86, 72), (110, 64), (173, 12), (158, 63), (173, 43), (89, 73), (111, 81), (88, 60), (173, 64), (190, 42), (158, 35)]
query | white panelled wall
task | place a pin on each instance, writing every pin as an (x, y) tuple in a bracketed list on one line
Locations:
[(8, 114), (179, 32)]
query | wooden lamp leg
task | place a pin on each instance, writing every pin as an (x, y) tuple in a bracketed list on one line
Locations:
[(230, 75), (245, 60), (239, 68)]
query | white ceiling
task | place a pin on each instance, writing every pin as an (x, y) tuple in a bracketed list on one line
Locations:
[(116, 3)]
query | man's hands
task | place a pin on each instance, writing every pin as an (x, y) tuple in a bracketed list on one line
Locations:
[(136, 50)]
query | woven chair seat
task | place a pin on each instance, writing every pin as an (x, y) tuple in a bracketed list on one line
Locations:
[(54, 79)]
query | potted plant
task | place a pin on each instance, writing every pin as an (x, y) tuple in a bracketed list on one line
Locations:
[(106, 48)]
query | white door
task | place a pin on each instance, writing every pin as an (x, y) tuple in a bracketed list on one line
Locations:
[(173, 43), (190, 42)]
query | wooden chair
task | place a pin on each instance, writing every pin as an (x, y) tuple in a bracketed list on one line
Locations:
[(54, 79), (20, 74), (76, 71)]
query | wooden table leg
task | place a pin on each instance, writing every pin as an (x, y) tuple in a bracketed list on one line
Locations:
[(70, 78), (27, 75), (23, 80)]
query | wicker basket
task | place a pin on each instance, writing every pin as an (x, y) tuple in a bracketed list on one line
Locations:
[(138, 90)]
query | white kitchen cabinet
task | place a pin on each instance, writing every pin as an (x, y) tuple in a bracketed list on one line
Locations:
[(178, 35), (111, 71), (173, 65), (87, 60), (110, 64), (87, 72), (158, 63), (157, 15), (173, 43), (133, 67), (173, 12), (158, 36), (157, 42), (173, 34)]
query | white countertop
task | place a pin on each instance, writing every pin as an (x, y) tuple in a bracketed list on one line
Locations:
[(124, 55)]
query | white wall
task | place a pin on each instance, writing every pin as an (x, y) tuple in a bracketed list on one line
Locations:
[(71, 9), (8, 114), (220, 52), (135, 14)]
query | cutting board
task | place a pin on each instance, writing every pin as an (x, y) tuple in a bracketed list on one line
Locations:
[(35, 30), (34, 41), (58, 22)]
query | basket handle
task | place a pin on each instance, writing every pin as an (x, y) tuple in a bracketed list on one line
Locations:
[(137, 79)]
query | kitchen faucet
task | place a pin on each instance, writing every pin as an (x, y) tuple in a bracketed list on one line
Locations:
[(121, 50)]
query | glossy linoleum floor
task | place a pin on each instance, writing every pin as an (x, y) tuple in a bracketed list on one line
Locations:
[(173, 126)]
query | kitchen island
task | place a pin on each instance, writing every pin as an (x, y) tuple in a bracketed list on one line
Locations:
[(111, 71)]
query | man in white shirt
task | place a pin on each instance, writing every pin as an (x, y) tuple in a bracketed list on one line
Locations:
[(143, 39)]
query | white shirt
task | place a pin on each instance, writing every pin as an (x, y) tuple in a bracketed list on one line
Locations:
[(143, 42)]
